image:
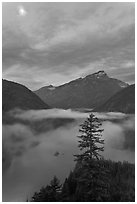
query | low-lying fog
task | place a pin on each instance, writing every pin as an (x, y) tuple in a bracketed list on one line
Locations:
[(41, 144)]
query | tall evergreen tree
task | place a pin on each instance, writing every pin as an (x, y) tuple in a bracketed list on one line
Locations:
[(90, 139), (93, 179), (92, 184)]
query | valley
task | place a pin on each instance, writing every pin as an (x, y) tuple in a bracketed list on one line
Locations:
[(33, 154)]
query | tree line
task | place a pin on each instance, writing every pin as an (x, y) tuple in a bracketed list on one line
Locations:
[(93, 179)]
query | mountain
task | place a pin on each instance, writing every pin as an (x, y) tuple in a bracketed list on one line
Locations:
[(88, 92), (123, 101), (15, 95)]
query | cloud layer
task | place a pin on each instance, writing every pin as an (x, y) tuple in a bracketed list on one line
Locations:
[(31, 158), (57, 42), (30, 126)]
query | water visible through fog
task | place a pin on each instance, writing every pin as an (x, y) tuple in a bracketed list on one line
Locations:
[(34, 153)]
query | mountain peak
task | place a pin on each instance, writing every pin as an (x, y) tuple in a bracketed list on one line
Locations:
[(50, 87), (87, 92), (99, 74)]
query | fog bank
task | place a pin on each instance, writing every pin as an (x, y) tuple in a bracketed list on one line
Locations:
[(41, 144)]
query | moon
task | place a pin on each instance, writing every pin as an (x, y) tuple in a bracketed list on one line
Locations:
[(21, 11)]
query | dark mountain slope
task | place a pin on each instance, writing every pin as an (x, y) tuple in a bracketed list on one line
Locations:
[(15, 95), (123, 101), (88, 92)]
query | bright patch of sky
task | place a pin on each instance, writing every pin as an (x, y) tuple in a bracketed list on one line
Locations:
[(53, 43)]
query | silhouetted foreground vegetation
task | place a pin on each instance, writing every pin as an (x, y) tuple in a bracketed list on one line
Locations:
[(93, 179), (117, 185)]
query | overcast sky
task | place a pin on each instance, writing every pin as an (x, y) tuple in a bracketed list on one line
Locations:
[(53, 43)]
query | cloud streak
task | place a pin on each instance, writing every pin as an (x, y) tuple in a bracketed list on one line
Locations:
[(56, 39)]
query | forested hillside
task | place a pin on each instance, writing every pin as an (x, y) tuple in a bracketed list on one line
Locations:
[(93, 178)]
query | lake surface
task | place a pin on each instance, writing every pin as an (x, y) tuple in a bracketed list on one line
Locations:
[(42, 144)]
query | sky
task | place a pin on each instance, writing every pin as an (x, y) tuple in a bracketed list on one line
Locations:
[(54, 43)]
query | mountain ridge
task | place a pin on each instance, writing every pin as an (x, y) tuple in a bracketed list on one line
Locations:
[(15, 95), (86, 92), (122, 101)]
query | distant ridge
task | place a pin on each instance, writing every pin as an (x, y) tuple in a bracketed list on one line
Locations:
[(88, 92), (15, 95), (123, 101)]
